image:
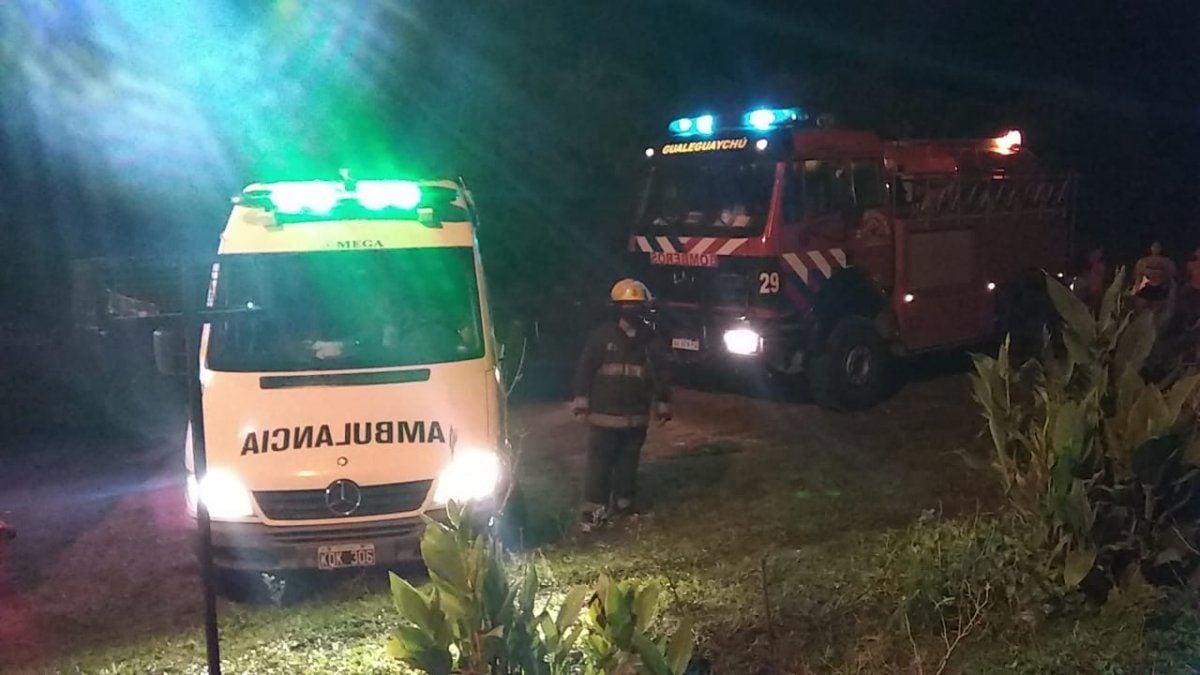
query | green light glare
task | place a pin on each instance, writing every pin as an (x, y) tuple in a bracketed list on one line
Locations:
[(382, 194)]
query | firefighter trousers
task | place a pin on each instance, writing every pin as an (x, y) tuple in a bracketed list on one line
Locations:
[(612, 464)]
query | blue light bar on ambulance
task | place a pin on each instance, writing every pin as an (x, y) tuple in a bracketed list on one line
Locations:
[(765, 119), (687, 126)]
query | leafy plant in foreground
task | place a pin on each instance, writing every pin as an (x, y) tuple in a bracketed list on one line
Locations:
[(1092, 454), (473, 619)]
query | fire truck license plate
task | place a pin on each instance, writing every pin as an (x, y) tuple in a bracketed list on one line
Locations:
[(345, 555), (685, 343)]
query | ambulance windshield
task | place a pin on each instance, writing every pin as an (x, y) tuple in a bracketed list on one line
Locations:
[(337, 310), (708, 197)]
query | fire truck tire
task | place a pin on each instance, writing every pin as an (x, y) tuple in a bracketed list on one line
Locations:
[(850, 373)]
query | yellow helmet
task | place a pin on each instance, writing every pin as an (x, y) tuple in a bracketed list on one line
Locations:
[(630, 290)]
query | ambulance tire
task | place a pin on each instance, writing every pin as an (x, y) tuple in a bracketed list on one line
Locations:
[(850, 372)]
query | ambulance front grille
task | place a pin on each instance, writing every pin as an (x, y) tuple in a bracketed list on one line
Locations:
[(292, 534), (377, 500)]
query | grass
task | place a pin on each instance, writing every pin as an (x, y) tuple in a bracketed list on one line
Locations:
[(788, 562)]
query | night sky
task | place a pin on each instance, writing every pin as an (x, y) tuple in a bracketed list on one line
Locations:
[(125, 130)]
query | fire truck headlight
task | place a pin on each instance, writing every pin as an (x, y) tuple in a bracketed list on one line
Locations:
[(223, 493), (472, 475), (742, 341)]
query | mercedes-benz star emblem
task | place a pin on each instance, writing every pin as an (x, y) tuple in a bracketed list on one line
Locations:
[(343, 497)]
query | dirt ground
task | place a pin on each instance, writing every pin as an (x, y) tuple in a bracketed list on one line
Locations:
[(103, 554)]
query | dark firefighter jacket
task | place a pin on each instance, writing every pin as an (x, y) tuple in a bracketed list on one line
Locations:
[(619, 377)]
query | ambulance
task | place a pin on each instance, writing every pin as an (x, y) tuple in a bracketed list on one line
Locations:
[(778, 242), (349, 374)]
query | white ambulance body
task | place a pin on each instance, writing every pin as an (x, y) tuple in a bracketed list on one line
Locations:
[(360, 390)]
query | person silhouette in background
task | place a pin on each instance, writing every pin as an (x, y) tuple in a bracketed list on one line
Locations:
[(1153, 275)]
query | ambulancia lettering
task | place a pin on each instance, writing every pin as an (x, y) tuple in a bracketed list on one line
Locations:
[(349, 433)]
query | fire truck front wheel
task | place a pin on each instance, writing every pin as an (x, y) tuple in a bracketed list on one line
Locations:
[(850, 372)]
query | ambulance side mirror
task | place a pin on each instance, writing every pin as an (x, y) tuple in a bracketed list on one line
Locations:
[(169, 352)]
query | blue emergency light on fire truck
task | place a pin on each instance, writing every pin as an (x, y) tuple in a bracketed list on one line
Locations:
[(826, 252)]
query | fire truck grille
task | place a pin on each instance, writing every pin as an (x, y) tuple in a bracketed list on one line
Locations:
[(312, 505)]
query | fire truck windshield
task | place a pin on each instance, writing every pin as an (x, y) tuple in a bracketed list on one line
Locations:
[(333, 310), (708, 197)]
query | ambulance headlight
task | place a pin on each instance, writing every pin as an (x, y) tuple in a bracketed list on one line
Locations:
[(742, 341), (472, 475), (223, 493)]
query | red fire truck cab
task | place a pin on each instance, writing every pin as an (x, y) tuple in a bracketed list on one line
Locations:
[(825, 252)]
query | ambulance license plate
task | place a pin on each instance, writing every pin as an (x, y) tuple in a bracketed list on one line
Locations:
[(685, 343), (345, 555)]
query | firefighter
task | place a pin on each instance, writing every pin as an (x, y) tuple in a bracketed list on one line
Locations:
[(1154, 274), (620, 380)]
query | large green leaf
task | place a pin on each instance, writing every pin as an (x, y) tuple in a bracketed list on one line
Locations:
[(653, 659), (1078, 564), (1110, 305), (1181, 392), (441, 556), (397, 649), (529, 587), (1135, 343), (1075, 511), (568, 640), (645, 605), (413, 647), (443, 631), (1129, 388), (679, 651), (507, 610), (1068, 433), (1078, 349), (568, 612), (1148, 417), (409, 601), (1074, 312)]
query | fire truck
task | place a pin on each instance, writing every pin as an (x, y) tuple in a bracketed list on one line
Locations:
[(824, 252)]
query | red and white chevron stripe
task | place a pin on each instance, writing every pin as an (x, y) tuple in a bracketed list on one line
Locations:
[(821, 262), (692, 245)]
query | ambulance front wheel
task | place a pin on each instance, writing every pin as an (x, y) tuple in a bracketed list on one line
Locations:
[(850, 372)]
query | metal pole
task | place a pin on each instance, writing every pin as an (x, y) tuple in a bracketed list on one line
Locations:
[(192, 323)]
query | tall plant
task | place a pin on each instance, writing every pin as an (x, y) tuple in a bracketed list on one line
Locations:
[(1089, 451), (474, 619)]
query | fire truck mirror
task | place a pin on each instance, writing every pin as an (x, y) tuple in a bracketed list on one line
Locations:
[(169, 352)]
